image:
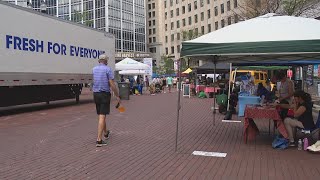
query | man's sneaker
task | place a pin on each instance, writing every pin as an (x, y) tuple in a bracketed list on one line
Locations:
[(107, 135), (101, 143), (292, 144)]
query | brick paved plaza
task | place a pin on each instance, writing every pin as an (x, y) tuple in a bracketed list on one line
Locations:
[(58, 142)]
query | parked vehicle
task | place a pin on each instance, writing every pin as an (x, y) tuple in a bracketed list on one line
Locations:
[(44, 58)]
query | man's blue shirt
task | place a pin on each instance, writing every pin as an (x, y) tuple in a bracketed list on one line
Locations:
[(101, 76)]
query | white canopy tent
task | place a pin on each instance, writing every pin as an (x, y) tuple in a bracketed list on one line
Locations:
[(132, 72), (130, 64)]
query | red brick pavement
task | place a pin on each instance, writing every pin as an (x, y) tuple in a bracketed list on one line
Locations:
[(58, 142)]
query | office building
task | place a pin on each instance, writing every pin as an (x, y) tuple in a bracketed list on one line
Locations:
[(169, 22), (124, 18)]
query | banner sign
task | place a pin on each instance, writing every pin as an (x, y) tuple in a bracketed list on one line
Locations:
[(148, 61)]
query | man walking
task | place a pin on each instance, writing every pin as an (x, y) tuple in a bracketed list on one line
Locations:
[(103, 80)]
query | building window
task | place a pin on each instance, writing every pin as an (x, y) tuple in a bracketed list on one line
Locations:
[(167, 51), (177, 1), (236, 18), (229, 20), (153, 5), (195, 5), (154, 30), (149, 14), (202, 16), (183, 22), (222, 23), (189, 7), (178, 48), (190, 20), (154, 14), (222, 8), (171, 13), (149, 6), (183, 9), (172, 37), (196, 18), (177, 11), (149, 23), (166, 39), (150, 40), (165, 4), (165, 15), (172, 49), (154, 39), (201, 3), (202, 30), (196, 31), (153, 50), (166, 27), (178, 36), (209, 14), (171, 2), (150, 31), (228, 6), (216, 11), (235, 3), (209, 28), (172, 24), (154, 22), (178, 24), (208, 1), (216, 25)]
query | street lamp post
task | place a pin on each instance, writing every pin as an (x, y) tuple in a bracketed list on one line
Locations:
[(43, 7)]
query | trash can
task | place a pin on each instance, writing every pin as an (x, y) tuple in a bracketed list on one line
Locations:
[(124, 90)]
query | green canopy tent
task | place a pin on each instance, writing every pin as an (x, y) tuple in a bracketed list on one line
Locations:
[(265, 39)]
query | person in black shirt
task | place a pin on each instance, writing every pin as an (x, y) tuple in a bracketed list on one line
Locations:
[(303, 118)]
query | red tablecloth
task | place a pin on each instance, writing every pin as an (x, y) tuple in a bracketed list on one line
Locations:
[(211, 89), (251, 131), (200, 88)]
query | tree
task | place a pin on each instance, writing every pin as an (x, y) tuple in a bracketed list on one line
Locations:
[(190, 34), (166, 66), (248, 9), (78, 17)]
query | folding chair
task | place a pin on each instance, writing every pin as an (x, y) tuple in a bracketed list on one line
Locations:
[(310, 133)]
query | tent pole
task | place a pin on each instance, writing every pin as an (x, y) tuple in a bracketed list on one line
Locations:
[(178, 105), (229, 89), (215, 94)]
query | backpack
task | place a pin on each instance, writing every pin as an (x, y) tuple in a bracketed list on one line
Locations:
[(280, 143)]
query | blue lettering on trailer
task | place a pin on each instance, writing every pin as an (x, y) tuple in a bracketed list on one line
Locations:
[(35, 45)]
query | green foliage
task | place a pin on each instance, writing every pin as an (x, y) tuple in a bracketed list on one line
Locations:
[(78, 17), (189, 35), (253, 8), (166, 66), (297, 7)]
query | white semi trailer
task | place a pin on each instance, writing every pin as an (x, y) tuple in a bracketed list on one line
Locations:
[(44, 58)]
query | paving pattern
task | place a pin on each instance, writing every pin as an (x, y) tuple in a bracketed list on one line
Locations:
[(58, 142)]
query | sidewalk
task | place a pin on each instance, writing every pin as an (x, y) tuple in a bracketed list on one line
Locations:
[(59, 143)]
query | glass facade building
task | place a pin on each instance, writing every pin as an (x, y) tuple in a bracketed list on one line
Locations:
[(123, 18)]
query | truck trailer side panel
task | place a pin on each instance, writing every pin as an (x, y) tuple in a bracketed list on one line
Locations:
[(38, 51)]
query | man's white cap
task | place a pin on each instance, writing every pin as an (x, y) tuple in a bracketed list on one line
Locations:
[(103, 57)]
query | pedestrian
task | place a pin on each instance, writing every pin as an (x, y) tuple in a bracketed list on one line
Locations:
[(103, 80), (169, 82), (164, 84)]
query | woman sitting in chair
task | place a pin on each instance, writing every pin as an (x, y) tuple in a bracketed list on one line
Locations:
[(303, 118)]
